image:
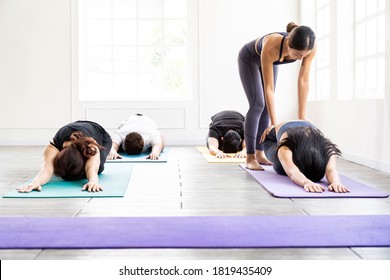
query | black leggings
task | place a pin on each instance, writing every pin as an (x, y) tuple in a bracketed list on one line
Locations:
[(257, 117), (270, 148)]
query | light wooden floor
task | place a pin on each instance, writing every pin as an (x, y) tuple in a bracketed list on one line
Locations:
[(186, 185)]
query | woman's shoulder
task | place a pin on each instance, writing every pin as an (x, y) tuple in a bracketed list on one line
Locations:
[(274, 37), (282, 127)]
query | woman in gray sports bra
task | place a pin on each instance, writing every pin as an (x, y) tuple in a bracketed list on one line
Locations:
[(299, 150), (258, 63)]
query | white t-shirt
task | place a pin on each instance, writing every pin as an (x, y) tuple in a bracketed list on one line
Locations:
[(142, 125)]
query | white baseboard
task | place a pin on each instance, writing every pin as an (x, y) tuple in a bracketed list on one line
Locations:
[(369, 162)]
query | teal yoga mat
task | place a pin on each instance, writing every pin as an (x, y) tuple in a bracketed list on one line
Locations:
[(114, 180), (141, 158)]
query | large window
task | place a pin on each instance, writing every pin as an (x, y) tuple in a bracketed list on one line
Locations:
[(350, 60), (133, 50), (370, 48)]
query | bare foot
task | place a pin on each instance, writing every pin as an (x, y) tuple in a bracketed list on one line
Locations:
[(262, 159), (252, 164)]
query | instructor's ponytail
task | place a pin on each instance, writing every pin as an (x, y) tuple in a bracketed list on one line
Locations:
[(291, 26)]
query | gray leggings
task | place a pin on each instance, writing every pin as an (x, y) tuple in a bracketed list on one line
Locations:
[(257, 118)]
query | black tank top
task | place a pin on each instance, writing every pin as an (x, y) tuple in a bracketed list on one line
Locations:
[(278, 62), (91, 129)]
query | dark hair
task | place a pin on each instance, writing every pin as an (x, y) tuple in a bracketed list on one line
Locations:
[(300, 37), (70, 162), (291, 26), (231, 142), (310, 149), (134, 143)]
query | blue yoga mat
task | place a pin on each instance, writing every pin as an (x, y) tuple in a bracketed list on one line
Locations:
[(196, 232), (114, 180), (141, 158), (282, 186)]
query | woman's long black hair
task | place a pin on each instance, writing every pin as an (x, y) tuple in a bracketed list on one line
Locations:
[(310, 149)]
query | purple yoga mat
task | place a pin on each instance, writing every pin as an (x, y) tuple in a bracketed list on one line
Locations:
[(282, 186), (196, 232)]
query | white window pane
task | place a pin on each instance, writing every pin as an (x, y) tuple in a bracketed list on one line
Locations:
[(321, 3), (124, 32), (99, 86), (381, 74), (326, 85), (371, 40), (320, 80), (125, 85), (125, 59), (360, 9), (326, 20), (323, 57), (372, 7), (360, 77), (99, 59), (320, 53), (175, 32), (150, 85), (150, 32), (175, 84), (325, 90), (175, 8), (124, 9), (176, 59), (371, 74), (381, 34), (320, 23), (98, 9), (99, 32), (326, 52), (151, 59), (360, 40), (149, 9), (381, 5)]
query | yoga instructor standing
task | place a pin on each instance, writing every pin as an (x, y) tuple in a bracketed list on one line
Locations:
[(258, 64)]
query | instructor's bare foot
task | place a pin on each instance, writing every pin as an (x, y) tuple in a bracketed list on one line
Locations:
[(252, 164), (262, 159)]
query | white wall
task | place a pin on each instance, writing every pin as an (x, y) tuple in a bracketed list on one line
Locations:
[(35, 77), (37, 86)]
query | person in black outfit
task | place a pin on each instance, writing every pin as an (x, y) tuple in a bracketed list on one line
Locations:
[(226, 134), (77, 151)]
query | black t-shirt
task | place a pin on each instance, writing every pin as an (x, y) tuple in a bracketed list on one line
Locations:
[(90, 129), (224, 121)]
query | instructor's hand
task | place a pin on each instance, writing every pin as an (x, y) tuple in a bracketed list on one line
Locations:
[(266, 132)]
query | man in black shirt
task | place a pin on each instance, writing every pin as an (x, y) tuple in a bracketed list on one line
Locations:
[(226, 134)]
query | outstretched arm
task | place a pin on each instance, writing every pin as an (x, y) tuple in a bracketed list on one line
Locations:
[(303, 84), (292, 171), (157, 149), (47, 169), (114, 151), (333, 178), (242, 153), (91, 171), (213, 145)]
